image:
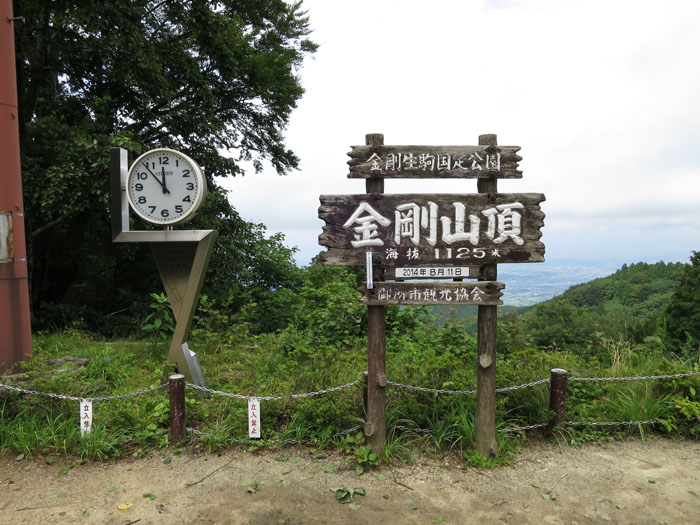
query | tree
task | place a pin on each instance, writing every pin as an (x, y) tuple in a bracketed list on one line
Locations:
[(682, 315), (201, 76)]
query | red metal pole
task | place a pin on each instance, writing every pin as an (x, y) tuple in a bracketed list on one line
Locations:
[(15, 328)]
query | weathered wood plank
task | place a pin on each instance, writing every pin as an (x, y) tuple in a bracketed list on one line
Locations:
[(458, 162), (436, 293), (439, 229)]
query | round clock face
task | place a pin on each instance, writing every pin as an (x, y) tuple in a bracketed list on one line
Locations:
[(165, 187)]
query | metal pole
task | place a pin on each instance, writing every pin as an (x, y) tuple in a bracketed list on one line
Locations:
[(15, 327)]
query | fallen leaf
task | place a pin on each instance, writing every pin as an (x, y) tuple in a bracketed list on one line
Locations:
[(412, 507), (656, 480), (149, 495), (62, 495), (124, 506), (282, 458), (546, 496), (167, 461), (605, 517), (439, 519), (327, 468), (20, 457), (354, 506), (62, 513)]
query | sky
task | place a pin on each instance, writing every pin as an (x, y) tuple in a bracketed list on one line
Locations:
[(603, 97)]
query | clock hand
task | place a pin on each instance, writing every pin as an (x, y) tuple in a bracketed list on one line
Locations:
[(154, 176), (165, 187)]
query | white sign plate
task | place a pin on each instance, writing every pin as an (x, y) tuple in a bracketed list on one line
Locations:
[(432, 272), (254, 418), (85, 416)]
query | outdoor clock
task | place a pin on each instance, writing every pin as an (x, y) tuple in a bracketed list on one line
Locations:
[(165, 187)]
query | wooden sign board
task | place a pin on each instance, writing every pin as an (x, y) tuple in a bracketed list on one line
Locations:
[(441, 229), (429, 294), (428, 162)]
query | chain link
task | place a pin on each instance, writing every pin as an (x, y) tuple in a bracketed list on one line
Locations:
[(609, 423), (465, 392), (430, 390), (418, 430), (74, 398), (636, 378), (519, 429), (526, 385), (273, 398)]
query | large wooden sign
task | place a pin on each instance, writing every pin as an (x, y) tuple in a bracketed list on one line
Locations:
[(452, 162), (429, 294), (438, 229)]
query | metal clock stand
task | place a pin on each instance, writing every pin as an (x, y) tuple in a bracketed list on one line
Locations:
[(182, 257)]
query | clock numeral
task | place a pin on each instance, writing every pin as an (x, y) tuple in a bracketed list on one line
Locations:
[(138, 186), (190, 185), (153, 209), (142, 175), (178, 208), (185, 173), (163, 160), (164, 213), (142, 200), (187, 199), (177, 163)]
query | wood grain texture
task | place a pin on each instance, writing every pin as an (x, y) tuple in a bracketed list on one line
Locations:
[(428, 162), (346, 245), (435, 293)]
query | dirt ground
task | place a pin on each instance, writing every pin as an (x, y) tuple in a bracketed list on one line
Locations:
[(652, 482)]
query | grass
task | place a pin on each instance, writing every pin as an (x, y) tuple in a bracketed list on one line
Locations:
[(270, 365)]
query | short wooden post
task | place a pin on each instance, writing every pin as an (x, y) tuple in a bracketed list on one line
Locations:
[(177, 407), (486, 443), (557, 397), (375, 428)]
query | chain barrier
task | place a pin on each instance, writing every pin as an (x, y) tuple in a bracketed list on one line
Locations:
[(431, 390), (83, 398), (465, 392), (610, 423), (636, 378), (522, 429), (353, 383), (272, 398)]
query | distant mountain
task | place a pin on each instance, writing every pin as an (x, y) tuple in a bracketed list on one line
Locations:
[(642, 288), (625, 305)]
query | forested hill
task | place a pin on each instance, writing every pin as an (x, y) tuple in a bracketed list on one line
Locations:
[(642, 289), (628, 304)]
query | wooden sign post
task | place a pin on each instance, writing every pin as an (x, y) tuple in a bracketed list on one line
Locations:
[(435, 236)]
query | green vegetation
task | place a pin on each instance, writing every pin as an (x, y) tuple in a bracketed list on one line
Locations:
[(201, 77), (319, 343), (626, 306)]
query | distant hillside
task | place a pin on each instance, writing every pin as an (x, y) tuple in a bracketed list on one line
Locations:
[(626, 304), (642, 288)]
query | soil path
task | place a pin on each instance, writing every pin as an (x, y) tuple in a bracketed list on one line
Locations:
[(652, 482)]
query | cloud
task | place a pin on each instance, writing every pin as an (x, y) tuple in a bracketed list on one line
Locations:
[(601, 96)]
